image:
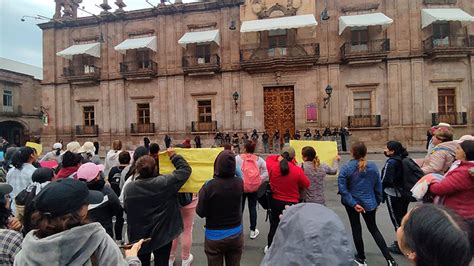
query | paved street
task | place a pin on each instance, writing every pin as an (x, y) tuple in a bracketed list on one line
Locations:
[(253, 249)]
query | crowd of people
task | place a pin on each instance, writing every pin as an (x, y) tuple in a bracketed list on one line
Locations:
[(66, 207)]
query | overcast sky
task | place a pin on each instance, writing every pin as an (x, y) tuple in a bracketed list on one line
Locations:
[(22, 41)]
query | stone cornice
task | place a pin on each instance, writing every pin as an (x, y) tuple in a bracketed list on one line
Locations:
[(142, 13)]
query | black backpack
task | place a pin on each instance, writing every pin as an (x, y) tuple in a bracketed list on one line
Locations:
[(411, 174)]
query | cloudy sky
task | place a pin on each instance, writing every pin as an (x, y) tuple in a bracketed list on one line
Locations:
[(22, 41)]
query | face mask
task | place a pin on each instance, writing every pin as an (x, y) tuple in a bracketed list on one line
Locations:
[(385, 153)]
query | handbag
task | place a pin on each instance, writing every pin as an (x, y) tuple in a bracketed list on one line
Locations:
[(264, 194), (184, 198)]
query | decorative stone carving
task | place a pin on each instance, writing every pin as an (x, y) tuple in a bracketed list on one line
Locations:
[(276, 10), (66, 9)]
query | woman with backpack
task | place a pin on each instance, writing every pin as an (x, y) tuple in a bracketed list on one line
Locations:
[(360, 188), (392, 183), (254, 171), (286, 181), (316, 172)]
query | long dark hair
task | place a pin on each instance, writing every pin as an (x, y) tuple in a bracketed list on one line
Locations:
[(5, 213), (359, 151), (22, 156), (47, 225), (284, 163), (437, 235), (398, 148), (139, 152)]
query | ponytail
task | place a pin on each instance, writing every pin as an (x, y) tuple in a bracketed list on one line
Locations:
[(362, 165), (58, 152), (316, 162), (284, 167)]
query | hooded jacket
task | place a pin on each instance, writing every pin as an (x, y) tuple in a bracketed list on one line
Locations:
[(440, 158), (220, 199), (72, 247), (111, 160), (310, 234), (109, 207), (457, 188), (152, 206)]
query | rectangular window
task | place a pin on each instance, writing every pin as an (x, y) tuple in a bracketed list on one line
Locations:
[(7, 98), (359, 37), (204, 111), (143, 58), (203, 53), (89, 115), (440, 30), (143, 113), (446, 100), (362, 103), (277, 38)]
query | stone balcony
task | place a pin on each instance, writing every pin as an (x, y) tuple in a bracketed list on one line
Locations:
[(203, 126), (455, 118), (364, 121), (371, 52), (453, 46), (142, 128), (296, 57), (205, 65), (138, 69), (82, 74), (87, 131)]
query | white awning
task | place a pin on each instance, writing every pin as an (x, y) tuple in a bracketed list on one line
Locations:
[(282, 23), (429, 16), (137, 43), (200, 37), (373, 19), (92, 49)]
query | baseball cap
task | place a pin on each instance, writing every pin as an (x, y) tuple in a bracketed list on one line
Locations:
[(57, 145), (73, 146), (89, 171), (87, 147), (65, 196), (5, 188), (465, 137), (289, 150)]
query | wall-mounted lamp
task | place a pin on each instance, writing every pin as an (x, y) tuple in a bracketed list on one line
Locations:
[(325, 13), (235, 96), (327, 98), (232, 25)]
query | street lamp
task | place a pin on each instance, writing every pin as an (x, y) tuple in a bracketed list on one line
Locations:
[(235, 96), (328, 92)]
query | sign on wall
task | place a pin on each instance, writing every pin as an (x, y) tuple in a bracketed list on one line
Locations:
[(311, 113)]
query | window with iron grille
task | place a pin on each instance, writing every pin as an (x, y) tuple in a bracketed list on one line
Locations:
[(7, 97), (89, 115), (204, 111), (446, 100), (143, 113), (362, 103)]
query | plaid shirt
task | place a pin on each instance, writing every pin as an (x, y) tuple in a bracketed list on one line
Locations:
[(19, 180), (10, 245)]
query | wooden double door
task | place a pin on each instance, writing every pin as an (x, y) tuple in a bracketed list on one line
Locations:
[(279, 110)]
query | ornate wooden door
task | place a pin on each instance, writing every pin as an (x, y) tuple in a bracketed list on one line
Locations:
[(279, 110)]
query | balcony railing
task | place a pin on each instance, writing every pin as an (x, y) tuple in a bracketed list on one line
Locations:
[(459, 118), (439, 2), (11, 111), (87, 130), (142, 128), (364, 121), (373, 49), (138, 69), (82, 73), (462, 43), (264, 59), (203, 126), (201, 64)]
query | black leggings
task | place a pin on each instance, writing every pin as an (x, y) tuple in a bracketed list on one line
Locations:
[(277, 207), (369, 218), (397, 209), (161, 256)]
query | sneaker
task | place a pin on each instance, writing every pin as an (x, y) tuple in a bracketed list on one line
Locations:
[(171, 262), (394, 248), (188, 261), (360, 262), (265, 249), (254, 234), (392, 263)]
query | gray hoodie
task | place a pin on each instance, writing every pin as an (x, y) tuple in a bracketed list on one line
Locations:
[(73, 247), (310, 234)]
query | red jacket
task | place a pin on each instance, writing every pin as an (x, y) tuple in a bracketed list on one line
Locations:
[(458, 189), (286, 188)]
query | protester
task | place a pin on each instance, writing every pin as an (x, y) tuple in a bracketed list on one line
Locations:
[(152, 207), (73, 146), (70, 163), (309, 234), (443, 126), (10, 238), (316, 172), (252, 167), (432, 235), (7, 163), (227, 138), (167, 141), (392, 183), (112, 157), (235, 142), (55, 154), (114, 180), (442, 155), (220, 202), (197, 141), (129, 173), (360, 187), (146, 143), (24, 200), (64, 236), (186, 144), (457, 186), (265, 138), (19, 177), (286, 181), (88, 153), (110, 206)]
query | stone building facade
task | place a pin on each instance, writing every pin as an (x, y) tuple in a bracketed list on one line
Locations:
[(20, 107), (235, 65)]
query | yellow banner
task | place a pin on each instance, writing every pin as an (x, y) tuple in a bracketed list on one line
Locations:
[(36, 146), (200, 160), (325, 150)]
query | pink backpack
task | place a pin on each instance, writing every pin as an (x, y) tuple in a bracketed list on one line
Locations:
[(251, 173)]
